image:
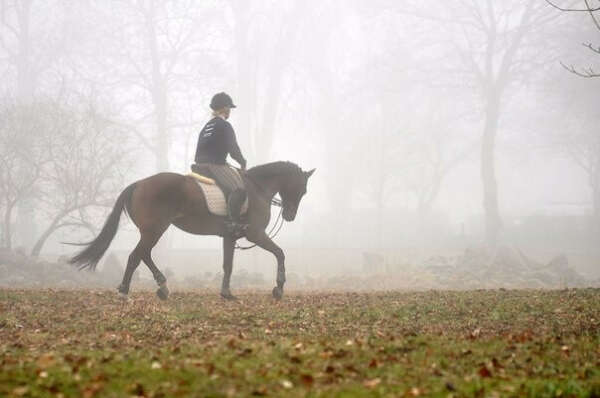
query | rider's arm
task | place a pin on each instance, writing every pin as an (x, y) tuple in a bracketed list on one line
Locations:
[(197, 150), (234, 148)]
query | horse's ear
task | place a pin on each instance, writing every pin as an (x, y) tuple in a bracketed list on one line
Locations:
[(309, 173)]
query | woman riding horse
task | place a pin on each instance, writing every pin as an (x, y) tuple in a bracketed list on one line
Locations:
[(156, 202), (217, 140)]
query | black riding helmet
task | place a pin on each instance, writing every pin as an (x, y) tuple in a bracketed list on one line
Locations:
[(221, 100)]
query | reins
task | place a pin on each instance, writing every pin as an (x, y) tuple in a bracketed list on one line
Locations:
[(275, 227), (278, 221)]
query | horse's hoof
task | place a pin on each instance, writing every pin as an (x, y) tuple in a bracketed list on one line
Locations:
[(277, 293), (124, 297), (229, 296), (163, 292)]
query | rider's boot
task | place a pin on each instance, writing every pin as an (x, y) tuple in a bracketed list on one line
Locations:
[(233, 225)]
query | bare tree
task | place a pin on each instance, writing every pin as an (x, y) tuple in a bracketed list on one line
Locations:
[(21, 161), (157, 53), (87, 159), (74, 165), (583, 147), (591, 10), (582, 143), (29, 45), (492, 36), (264, 54), (577, 137)]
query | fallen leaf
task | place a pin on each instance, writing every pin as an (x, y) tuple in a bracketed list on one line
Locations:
[(496, 363), (484, 372), (46, 360), (307, 379), (476, 333), (372, 383), (20, 391), (156, 365)]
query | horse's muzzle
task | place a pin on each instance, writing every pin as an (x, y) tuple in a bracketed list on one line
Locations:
[(289, 213)]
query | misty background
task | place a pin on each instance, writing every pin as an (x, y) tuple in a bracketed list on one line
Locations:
[(441, 133)]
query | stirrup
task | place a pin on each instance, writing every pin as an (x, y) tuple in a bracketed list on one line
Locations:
[(235, 229)]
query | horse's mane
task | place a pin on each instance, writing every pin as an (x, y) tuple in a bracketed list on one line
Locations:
[(274, 168)]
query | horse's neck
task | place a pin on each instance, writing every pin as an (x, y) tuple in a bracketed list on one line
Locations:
[(268, 187)]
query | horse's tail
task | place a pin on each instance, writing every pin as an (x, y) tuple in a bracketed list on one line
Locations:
[(91, 255)]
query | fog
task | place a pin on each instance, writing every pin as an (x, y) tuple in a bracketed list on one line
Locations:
[(455, 145)]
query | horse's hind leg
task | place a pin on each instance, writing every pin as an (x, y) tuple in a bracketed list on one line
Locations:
[(143, 251), (152, 238), (163, 291), (132, 264)]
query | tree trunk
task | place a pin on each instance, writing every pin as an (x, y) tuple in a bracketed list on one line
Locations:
[(246, 79), (273, 96), (37, 248), (25, 77), (158, 91), (595, 185), (493, 86), (269, 114), (379, 211), (162, 134), (7, 230), (488, 169), (25, 228)]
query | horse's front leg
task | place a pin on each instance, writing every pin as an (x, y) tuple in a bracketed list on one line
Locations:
[(228, 249), (262, 240)]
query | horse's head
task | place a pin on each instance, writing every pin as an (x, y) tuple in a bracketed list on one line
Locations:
[(292, 191)]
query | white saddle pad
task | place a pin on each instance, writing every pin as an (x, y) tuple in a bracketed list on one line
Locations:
[(215, 199)]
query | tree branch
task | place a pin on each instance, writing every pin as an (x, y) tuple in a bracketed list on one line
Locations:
[(587, 9), (589, 45), (587, 73)]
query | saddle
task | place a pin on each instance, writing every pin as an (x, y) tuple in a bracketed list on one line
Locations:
[(215, 198)]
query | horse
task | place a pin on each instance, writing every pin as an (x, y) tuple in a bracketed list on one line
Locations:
[(165, 199)]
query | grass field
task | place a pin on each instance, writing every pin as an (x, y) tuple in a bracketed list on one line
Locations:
[(435, 343)]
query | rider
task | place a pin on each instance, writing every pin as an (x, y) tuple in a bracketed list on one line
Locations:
[(217, 140)]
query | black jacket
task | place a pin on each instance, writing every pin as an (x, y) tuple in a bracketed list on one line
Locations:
[(216, 141)]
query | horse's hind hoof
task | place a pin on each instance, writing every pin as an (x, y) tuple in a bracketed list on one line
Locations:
[(163, 292), (277, 293)]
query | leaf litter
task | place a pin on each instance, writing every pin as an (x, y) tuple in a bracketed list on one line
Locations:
[(74, 343)]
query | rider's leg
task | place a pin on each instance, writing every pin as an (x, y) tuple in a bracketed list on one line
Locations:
[(234, 208), (234, 204), (232, 186)]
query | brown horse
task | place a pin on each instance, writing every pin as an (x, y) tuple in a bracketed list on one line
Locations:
[(156, 202)]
